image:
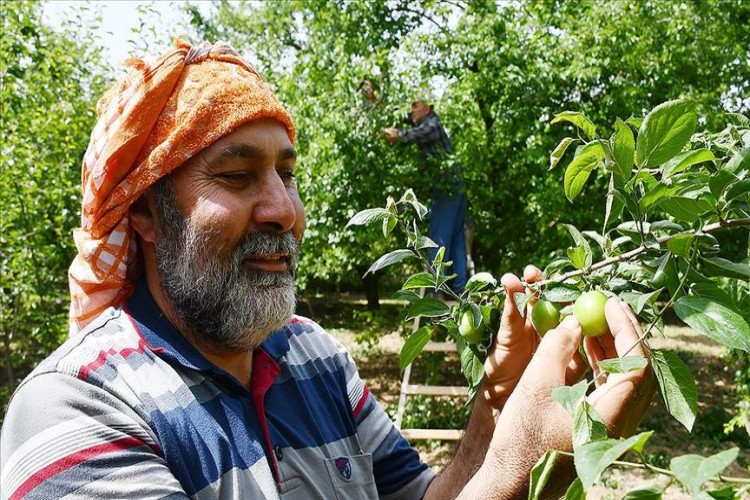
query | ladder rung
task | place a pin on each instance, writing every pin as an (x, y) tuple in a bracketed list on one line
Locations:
[(435, 390), (440, 347), (444, 434)]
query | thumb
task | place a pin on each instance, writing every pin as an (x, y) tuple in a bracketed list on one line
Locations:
[(556, 350)]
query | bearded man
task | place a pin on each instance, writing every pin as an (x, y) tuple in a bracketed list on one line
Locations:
[(187, 374)]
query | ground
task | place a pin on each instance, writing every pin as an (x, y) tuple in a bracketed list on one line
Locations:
[(377, 358)]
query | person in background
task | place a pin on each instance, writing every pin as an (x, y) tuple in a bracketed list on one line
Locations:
[(187, 373), (447, 218)]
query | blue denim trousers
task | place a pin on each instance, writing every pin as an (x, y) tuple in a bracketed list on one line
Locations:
[(447, 221)]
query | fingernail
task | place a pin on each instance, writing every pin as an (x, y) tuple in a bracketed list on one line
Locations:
[(570, 321)]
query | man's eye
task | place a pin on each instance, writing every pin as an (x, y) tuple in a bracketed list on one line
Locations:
[(288, 177), (234, 176)]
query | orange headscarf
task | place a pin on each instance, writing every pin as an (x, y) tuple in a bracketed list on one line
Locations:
[(154, 119)]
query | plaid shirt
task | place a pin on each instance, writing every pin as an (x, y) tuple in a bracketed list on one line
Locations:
[(434, 144), (429, 135)]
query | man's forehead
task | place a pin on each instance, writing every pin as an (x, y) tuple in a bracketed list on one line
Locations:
[(254, 139)]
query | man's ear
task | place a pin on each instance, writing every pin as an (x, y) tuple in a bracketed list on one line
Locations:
[(142, 217)]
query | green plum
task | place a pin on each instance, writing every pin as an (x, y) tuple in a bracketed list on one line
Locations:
[(469, 331), (589, 311), (545, 316)]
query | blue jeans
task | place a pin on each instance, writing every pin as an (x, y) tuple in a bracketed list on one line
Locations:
[(447, 221)]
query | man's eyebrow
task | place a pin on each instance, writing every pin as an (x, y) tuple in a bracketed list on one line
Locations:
[(241, 151), (288, 154), (250, 152)]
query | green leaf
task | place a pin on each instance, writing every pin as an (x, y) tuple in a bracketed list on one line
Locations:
[(570, 396), (559, 151), (577, 119), (472, 366), (367, 216), (587, 425), (615, 204), (427, 307), (685, 209), (419, 280), (425, 242), (623, 365), (681, 244), (410, 198), (725, 493), (480, 281), (592, 458), (575, 491), (645, 299), (664, 131), (560, 292), (581, 242), (647, 493), (641, 443), (715, 321), (740, 190), (634, 122), (676, 385), (740, 161), (406, 295), (727, 268), (388, 224), (623, 149), (655, 196), (389, 259), (414, 345), (719, 182), (577, 173), (685, 160), (714, 293), (694, 470), (521, 299), (540, 474), (577, 256)]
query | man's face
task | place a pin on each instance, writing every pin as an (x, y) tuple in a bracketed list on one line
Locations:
[(419, 110), (229, 226)]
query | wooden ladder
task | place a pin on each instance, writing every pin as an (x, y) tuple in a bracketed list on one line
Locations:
[(408, 388)]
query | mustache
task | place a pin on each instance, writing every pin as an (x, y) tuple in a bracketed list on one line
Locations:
[(259, 243)]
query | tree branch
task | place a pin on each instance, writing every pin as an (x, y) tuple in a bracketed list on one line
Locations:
[(630, 255)]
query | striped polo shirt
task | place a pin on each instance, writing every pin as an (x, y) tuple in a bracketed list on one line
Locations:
[(129, 409)]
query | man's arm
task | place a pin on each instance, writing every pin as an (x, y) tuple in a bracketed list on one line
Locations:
[(63, 436), (428, 130)]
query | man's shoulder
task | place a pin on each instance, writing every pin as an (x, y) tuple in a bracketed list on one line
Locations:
[(110, 332)]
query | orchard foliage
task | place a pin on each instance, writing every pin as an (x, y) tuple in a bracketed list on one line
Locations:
[(50, 83), (670, 192), (502, 71)]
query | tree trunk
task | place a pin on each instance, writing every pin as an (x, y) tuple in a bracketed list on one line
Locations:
[(370, 283)]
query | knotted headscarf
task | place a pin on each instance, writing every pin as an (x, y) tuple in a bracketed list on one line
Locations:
[(154, 119)]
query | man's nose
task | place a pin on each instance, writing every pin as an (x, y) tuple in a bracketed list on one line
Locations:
[(275, 209)]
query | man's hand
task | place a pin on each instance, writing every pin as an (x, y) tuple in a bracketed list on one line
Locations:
[(532, 422), (515, 345), (390, 134)]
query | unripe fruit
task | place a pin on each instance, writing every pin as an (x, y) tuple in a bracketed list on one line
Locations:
[(468, 329), (589, 311), (545, 316)]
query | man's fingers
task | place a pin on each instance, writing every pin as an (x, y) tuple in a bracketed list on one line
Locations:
[(576, 369), (595, 353), (531, 274), (556, 350), (512, 285), (624, 327)]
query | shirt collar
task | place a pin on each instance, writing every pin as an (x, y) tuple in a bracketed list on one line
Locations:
[(167, 340)]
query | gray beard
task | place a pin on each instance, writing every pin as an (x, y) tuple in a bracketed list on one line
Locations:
[(219, 299)]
